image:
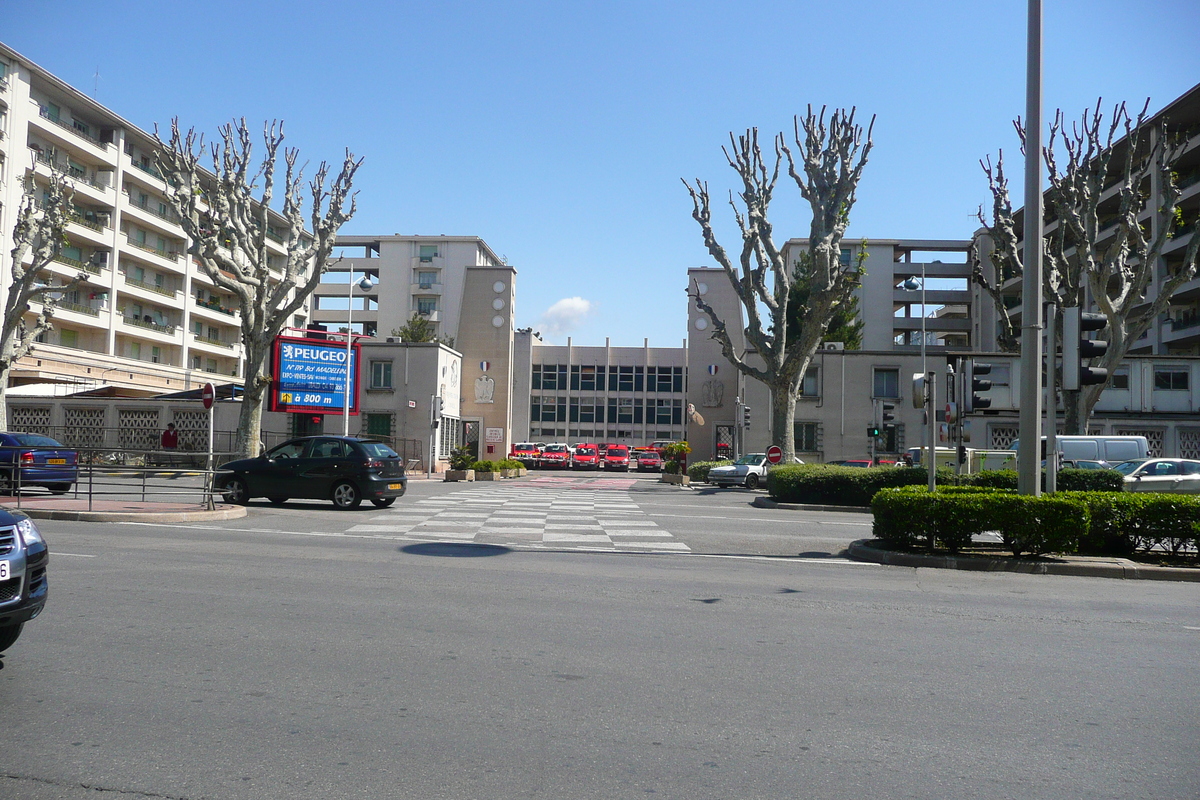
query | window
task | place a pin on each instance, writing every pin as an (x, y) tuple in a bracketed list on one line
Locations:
[(620, 409), (198, 329), (195, 362), (135, 349), (549, 376), (886, 383), (210, 365), (806, 437), (1171, 379), (625, 379), (215, 334), (156, 355), (82, 127), (72, 252), (810, 388), (381, 374), (379, 424), (426, 305), (1120, 378), (427, 279), (428, 252), (68, 338)]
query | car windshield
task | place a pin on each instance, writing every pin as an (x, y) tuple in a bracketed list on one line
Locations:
[(586, 451), (556, 448), (525, 446), (379, 450), (648, 454), (34, 440), (752, 459), (1127, 467), (617, 451)]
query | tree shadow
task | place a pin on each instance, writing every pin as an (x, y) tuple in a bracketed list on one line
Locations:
[(455, 549)]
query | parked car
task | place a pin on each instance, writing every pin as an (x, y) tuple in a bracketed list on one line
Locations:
[(616, 457), (527, 453), (1172, 475), (30, 459), (646, 461), (23, 584), (343, 469), (750, 470), (555, 456), (586, 456)]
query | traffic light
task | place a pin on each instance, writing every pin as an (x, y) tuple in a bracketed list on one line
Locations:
[(973, 384), (746, 417), (1077, 348), (920, 390), (885, 416), (873, 431), (435, 412)]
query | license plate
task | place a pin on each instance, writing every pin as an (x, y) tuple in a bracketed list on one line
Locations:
[(56, 461), (4, 570), (395, 486)]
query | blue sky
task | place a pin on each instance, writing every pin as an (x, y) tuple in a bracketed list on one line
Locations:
[(559, 132)]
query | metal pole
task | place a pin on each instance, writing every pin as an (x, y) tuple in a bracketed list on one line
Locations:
[(1029, 459), (1051, 403), (349, 340), (931, 427)]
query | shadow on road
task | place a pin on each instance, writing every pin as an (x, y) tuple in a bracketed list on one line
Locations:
[(455, 549)]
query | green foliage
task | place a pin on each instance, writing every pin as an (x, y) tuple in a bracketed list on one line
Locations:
[(675, 456), (461, 457), (823, 484), (485, 466), (509, 463), (1090, 480), (417, 329), (699, 470), (844, 325)]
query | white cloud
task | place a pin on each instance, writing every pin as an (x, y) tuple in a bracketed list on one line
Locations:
[(565, 316)]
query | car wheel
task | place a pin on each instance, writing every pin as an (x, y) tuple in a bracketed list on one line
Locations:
[(9, 635), (346, 496), (236, 492), (278, 500), (59, 488), (383, 502), (751, 481)]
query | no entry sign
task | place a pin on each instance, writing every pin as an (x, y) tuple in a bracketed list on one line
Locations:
[(774, 454)]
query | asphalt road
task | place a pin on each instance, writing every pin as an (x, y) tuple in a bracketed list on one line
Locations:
[(289, 658)]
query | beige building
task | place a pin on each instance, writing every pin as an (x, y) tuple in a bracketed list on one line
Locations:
[(148, 320)]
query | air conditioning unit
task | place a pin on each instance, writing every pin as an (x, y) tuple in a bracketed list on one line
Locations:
[(833, 346), (394, 340)]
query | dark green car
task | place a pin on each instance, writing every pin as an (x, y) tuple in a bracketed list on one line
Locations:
[(343, 469)]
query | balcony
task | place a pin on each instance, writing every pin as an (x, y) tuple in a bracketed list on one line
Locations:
[(77, 308), (425, 287), (214, 342), (210, 305), (167, 330), (169, 255), (149, 169), (150, 287), (80, 129), (170, 215)]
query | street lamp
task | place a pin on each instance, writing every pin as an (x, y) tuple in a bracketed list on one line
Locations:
[(366, 284)]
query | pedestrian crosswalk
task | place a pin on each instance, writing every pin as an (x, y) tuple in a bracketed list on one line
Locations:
[(546, 512)]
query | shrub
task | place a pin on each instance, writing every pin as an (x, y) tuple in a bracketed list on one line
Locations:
[(675, 456), (461, 457), (1047, 524), (1090, 480), (842, 486), (510, 463), (991, 479), (484, 466), (699, 470)]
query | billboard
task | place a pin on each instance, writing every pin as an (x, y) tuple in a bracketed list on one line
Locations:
[(309, 376)]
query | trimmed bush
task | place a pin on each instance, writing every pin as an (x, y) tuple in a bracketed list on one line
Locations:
[(991, 479), (1035, 525), (509, 463), (484, 466), (1090, 480), (824, 484), (699, 470)]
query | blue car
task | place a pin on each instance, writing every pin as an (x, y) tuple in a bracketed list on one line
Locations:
[(30, 459)]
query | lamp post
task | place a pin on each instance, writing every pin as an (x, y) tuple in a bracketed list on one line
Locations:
[(930, 413), (366, 284)]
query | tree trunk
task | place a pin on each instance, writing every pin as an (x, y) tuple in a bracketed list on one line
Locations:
[(783, 417), (249, 430), (3, 398)]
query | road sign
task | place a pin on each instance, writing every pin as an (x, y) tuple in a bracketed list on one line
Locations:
[(774, 454), (208, 394)]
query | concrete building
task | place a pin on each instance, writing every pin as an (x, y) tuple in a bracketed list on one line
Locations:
[(148, 321)]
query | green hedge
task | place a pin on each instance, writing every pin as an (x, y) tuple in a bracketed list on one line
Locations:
[(699, 470), (1091, 523), (824, 484), (907, 516), (484, 466)]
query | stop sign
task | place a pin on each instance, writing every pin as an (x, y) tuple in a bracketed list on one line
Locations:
[(208, 394), (774, 454)]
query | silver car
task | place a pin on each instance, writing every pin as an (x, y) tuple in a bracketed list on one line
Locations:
[(750, 470), (1170, 475)]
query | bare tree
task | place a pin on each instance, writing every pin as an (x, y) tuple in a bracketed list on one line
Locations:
[(827, 171), (227, 217), (1107, 259), (38, 236)]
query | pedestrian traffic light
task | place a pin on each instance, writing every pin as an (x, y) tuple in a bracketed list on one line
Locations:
[(746, 417), (873, 431), (972, 384), (1077, 348)]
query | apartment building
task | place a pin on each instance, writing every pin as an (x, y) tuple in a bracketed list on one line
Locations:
[(148, 320)]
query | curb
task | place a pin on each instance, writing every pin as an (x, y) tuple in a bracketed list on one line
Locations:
[(766, 502), (198, 515), (864, 550)]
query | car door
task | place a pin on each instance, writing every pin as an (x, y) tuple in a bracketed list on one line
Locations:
[(278, 475), (1157, 476), (326, 462), (1189, 477)]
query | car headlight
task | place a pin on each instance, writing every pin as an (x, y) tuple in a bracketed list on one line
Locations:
[(29, 532)]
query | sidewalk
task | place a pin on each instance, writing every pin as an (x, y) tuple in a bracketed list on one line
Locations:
[(76, 509)]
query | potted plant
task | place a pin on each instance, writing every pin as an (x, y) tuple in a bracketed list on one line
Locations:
[(511, 468), (460, 465), (485, 471), (675, 463)]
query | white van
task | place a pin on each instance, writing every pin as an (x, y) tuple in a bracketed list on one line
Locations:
[(1097, 448)]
